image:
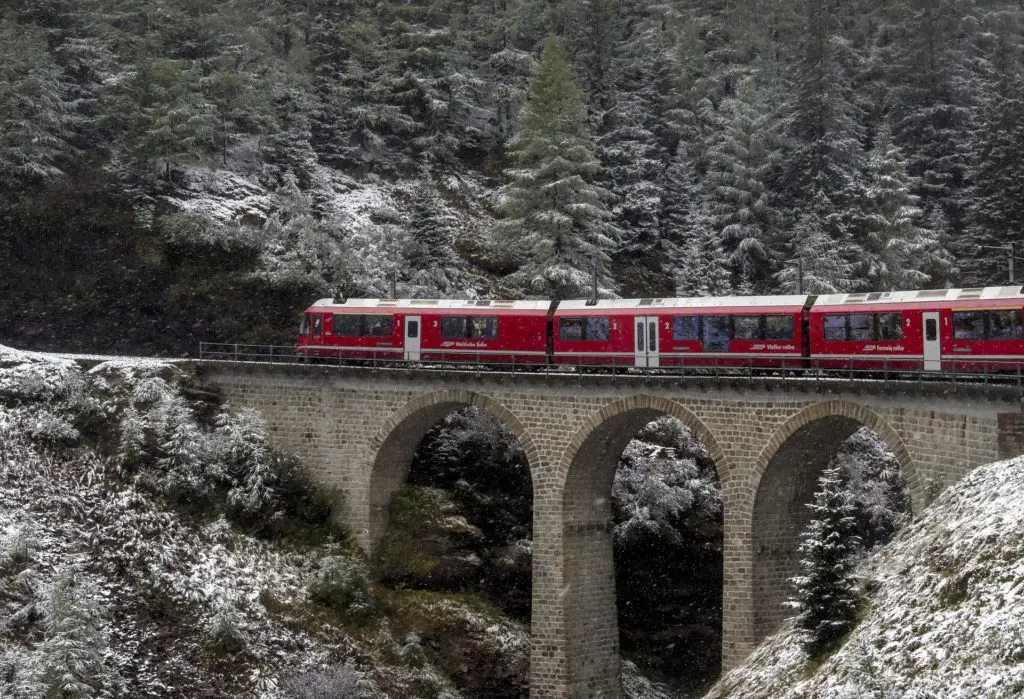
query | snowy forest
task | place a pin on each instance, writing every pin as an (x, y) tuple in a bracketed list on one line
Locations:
[(300, 148)]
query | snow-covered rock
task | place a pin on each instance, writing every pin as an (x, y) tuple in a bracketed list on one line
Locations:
[(943, 613)]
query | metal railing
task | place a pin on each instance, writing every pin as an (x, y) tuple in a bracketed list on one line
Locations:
[(794, 368)]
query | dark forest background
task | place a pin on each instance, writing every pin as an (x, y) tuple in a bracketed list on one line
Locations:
[(180, 171)]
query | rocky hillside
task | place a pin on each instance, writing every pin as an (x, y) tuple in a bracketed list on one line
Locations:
[(154, 544), (943, 611)]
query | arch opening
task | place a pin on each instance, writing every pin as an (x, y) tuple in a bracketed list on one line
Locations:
[(872, 474), (642, 542)]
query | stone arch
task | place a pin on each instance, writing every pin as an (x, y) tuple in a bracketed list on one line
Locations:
[(586, 471), (390, 451), (786, 474)]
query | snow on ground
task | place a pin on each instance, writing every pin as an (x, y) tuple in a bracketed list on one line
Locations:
[(170, 590), (945, 610)]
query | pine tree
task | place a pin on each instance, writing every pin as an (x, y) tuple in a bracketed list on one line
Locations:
[(897, 252), (742, 161), (429, 251), (690, 238), (36, 116), (556, 217), (71, 656), (826, 596), (817, 255), (996, 192)]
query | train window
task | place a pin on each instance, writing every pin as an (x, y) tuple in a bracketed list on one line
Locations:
[(969, 325), (1003, 325), (889, 326), (778, 327), (412, 329), (835, 328), (597, 328), (379, 326), (590, 328), (317, 323), (747, 328), (352, 325), (717, 332), (570, 329), (347, 326), (304, 328), (639, 336), (469, 327), (483, 327), (685, 328), (861, 327)]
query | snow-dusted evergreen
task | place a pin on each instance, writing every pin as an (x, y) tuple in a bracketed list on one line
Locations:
[(827, 595), (556, 225)]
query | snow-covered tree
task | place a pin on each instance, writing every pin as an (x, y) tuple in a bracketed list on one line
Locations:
[(692, 241), (300, 252), (556, 218), (742, 160), (817, 254), (36, 114), (826, 595), (70, 659), (429, 246), (898, 253)]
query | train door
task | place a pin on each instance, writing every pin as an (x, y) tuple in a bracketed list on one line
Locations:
[(932, 344), (317, 336), (645, 349), (412, 338)]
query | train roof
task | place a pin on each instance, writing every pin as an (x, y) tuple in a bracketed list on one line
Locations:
[(986, 293), (426, 304), (750, 302)]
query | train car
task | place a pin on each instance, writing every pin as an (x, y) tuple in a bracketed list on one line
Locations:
[(755, 331), (730, 331), (427, 330), (976, 330)]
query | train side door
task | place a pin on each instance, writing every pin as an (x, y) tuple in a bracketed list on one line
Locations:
[(932, 344), (645, 338), (412, 338)]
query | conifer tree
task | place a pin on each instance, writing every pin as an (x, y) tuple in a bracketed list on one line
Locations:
[(826, 596), (556, 216), (429, 251), (71, 656), (742, 162), (36, 116), (897, 251), (817, 254)]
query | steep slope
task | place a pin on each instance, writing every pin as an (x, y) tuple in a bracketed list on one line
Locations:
[(943, 609)]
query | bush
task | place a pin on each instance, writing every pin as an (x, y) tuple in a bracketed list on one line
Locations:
[(342, 585), (335, 682)]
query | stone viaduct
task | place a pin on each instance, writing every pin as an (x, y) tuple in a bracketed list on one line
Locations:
[(357, 429)]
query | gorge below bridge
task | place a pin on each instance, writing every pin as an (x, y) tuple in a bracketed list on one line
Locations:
[(356, 430)]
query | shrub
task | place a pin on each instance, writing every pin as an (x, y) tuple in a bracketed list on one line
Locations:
[(342, 585), (335, 682)]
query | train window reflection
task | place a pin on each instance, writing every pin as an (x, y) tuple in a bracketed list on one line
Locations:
[(1003, 325), (835, 328), (969, 325), (778, 327), (685, 328), (717, 332), (747, 327), (589, 328), (861, 327), (889, 326)]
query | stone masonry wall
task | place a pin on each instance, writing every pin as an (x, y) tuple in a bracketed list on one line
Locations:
[(356, 430)]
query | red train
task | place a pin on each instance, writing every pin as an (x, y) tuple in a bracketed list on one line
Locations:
[(975, 330)]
